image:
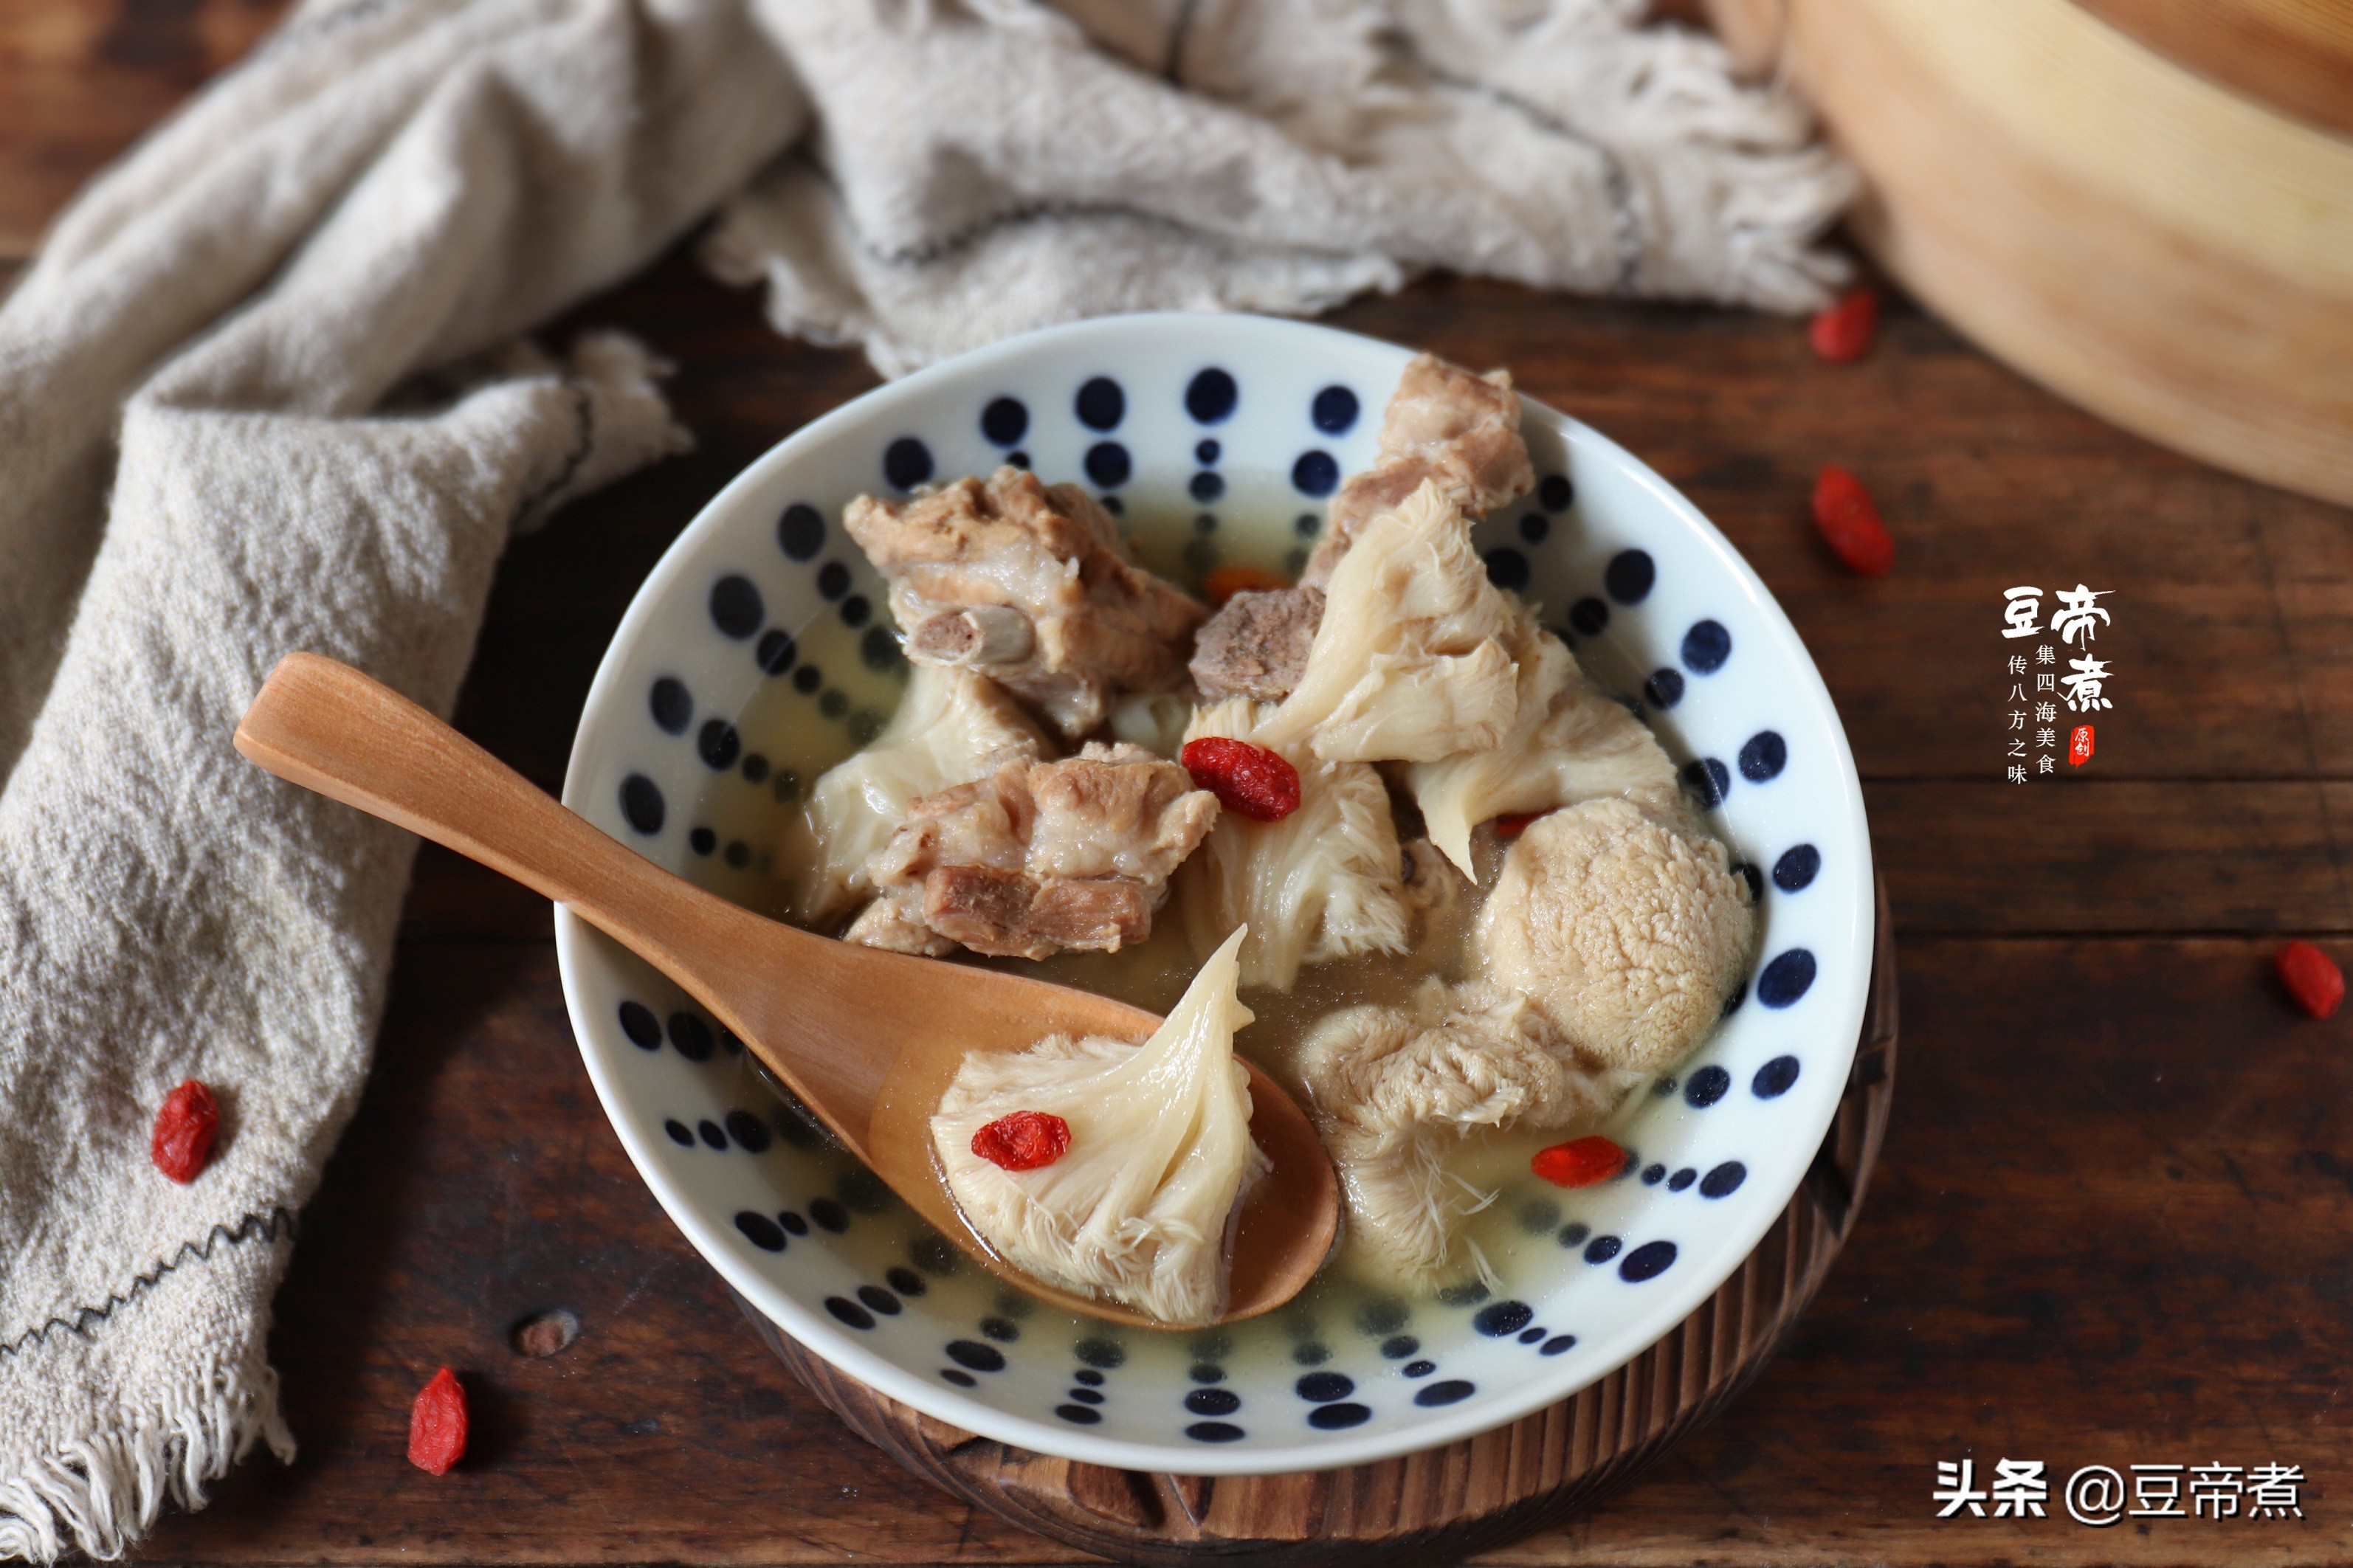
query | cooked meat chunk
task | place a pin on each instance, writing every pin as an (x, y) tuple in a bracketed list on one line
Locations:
[(1256, 646), (1396, 1090), (1444, 426), (1569, 741), (1140, 1206), (1320, 884), (1031, 586), (1630, 934), (1038, 858), (1408, 664), (951, 726)]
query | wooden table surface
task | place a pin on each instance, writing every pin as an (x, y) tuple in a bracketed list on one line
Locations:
[(2110, 1225)]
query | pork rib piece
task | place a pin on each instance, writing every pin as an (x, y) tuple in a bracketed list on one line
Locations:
[(1031, 586), (1038, 858), (1444, 423), (1256, 646)]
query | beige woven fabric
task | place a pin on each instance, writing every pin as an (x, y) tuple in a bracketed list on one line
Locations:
[(199, 473), (263, 392), (986, 169)]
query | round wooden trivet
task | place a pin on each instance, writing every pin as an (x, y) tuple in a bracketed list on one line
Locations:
[(1446, 1503)]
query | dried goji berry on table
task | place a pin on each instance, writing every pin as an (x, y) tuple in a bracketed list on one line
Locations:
[(1848, 519), (1227, 580), (1579, 1163), (1248, 779), (1843, 332), (1025, 1140), (437, 1424), (2311, 978), (1512, 824), (184, 1129)]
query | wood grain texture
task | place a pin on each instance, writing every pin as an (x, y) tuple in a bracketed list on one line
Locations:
[(81, 80), (1448, 1502), (2031, 1278), (2106, 1226)]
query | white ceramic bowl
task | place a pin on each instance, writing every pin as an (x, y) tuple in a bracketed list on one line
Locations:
[(757, 645)]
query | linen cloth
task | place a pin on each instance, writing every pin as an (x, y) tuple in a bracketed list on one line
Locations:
[(264, 391)]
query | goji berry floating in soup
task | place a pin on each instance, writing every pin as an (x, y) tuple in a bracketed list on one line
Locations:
[(1460, 897)]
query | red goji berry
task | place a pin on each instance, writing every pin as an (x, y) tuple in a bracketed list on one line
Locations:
[(437, 1424), (1579, 1163), (2079, 746), (1025, 1140), (1512, 824), (1845, 513), (1227, 580), (1248, 779), (185, 1129), (1842, 333), (2311, 978)]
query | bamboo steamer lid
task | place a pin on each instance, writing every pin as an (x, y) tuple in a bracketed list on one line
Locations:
[(2150, 209)]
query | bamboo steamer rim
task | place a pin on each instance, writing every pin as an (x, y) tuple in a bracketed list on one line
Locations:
[(2215, 167), (2295, 54)]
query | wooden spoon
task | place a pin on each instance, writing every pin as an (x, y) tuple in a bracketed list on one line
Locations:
[(868, 1039)]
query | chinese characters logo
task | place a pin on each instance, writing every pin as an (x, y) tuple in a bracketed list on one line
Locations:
[(2095, 1495), (2082, 690)]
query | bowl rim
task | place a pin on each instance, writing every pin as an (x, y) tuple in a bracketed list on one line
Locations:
[(575, 940)]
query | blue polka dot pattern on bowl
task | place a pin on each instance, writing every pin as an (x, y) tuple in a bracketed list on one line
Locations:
[(1707, 646), (1315, 473), (906, 463), (1210, 397), (1099, 404), (1005, 421), (1241, 454), (1787, 978), (1334, 411)]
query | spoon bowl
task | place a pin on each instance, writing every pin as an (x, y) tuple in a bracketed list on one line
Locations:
[(869, 1040)]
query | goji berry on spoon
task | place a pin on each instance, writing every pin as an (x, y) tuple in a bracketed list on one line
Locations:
[(1023, 1141)]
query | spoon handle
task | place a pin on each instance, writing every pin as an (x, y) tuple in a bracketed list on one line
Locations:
[(327, 727)]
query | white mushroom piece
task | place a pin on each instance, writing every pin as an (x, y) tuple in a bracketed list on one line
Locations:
[(1396, 1091), (1409, 663), (1037, 858), (952, 726), (1031, 586), (1569, 741), (1141, 1206), (1323, 882), (1629, 933)]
